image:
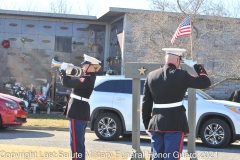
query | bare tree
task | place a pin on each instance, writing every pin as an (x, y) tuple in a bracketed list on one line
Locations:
[(60, 6), (28, 6), (88, 7), (235, 6), (213, 34)]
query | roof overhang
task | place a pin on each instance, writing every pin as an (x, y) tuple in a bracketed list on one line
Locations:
[(107, 15)]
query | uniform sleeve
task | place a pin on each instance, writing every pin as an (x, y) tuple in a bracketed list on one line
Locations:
[(78, 83), (199, 82), (147, 104)]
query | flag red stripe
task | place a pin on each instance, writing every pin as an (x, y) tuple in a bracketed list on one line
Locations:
[(184, 29)]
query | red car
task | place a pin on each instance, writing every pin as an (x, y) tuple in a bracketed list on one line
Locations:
[(12, 111)]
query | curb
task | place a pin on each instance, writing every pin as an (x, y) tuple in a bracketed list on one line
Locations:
[(46, 128), (41, 128)]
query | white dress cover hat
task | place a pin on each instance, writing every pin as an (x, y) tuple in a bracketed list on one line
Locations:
[(174, 51), (90, 60)]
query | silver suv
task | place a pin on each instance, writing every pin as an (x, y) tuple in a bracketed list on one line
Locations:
[(217, 121)]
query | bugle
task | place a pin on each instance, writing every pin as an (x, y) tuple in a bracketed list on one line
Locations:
[(71, 70)]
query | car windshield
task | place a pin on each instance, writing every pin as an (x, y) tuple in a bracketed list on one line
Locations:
[(204, 95)]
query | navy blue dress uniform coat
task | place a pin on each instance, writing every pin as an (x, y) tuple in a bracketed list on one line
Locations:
[(169, 85), (83, 87)]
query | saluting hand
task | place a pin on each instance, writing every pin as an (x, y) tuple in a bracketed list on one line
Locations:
[(190, 63)]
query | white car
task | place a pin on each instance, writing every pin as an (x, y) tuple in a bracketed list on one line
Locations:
[(217, 121)]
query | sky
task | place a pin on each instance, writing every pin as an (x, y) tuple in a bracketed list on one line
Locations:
[(78, 6)]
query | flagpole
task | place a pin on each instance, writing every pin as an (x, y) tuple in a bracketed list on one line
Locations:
[(191, 146), (191, 38)]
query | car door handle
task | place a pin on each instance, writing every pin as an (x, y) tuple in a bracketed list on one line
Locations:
[(120, 98)]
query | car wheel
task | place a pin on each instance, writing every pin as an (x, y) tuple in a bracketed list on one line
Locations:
[(215, 133), (107, 126)]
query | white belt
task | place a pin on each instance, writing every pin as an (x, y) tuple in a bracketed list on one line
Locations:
[(169, 105), (78, 97)]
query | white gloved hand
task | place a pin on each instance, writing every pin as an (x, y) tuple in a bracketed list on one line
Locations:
[(64, 66), (148, 133), (190, 63), (70, 64), (69, 69)]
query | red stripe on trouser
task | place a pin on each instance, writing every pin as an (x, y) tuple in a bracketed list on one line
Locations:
[(74, 139), (180, 147)]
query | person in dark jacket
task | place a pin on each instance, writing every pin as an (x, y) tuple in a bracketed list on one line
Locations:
[(78, 109), (166, 122), (236, 96)]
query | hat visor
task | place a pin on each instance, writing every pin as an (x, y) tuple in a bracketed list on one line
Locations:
[(175, 55), (86, 62)]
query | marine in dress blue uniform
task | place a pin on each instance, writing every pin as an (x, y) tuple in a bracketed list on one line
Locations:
[(166, 123), (78, 108)]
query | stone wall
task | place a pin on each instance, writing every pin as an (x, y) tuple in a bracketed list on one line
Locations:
[(217, 46)]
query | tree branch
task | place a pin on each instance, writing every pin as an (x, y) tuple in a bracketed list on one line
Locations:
[(233, 72), (151, 37), (225, 79)]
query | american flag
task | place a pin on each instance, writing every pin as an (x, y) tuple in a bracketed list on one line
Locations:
[(184, 29)]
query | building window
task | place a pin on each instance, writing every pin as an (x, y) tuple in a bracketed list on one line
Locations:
[(126, 87), (108, 86), (63, 44)]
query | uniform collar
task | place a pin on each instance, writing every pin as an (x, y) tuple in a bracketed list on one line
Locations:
[(170, 65)]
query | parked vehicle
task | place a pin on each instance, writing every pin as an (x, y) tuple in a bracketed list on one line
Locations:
[(217, 121), (13, 111)]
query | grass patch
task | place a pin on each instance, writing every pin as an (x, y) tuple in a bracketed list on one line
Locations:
[(46, 116), (47, 120)]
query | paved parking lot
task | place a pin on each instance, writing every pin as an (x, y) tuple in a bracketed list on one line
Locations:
[(46, 138)]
